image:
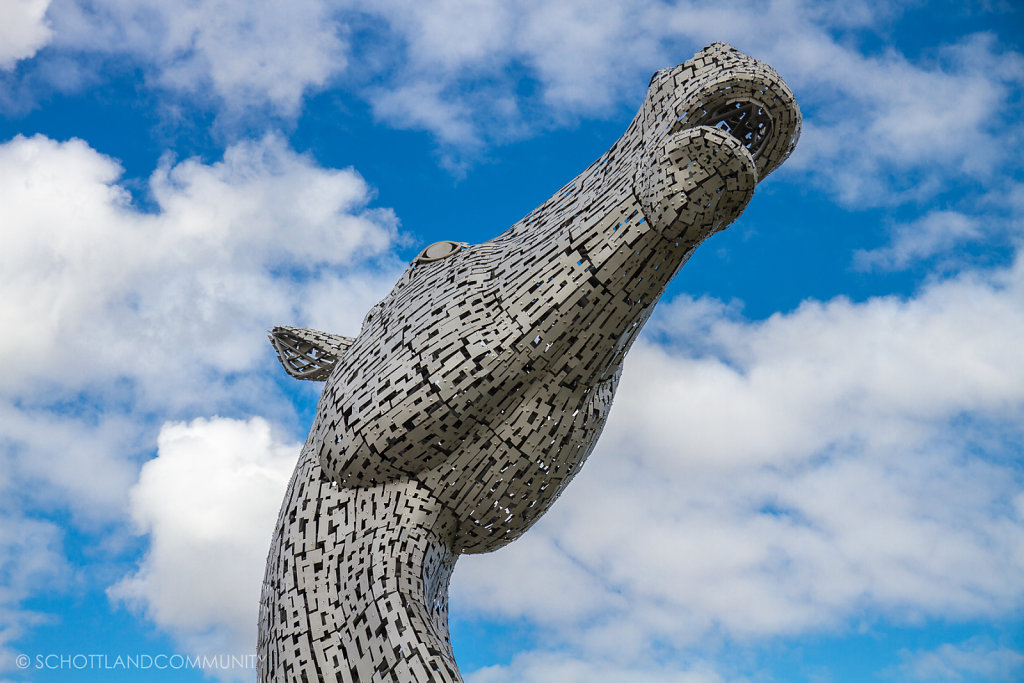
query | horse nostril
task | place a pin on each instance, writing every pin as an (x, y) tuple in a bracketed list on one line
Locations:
[(746, 121)]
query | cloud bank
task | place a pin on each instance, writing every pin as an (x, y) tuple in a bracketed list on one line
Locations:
[(118, 316), (882, 128), (23, 31), (254, 54), (208, 502), (193, 283)]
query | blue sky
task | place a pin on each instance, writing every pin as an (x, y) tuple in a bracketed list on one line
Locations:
[(813, 467)]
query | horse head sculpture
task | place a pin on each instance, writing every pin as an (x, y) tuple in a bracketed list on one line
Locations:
[(476, 389)]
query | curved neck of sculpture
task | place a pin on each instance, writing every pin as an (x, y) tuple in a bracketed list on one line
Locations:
[(357, 584)]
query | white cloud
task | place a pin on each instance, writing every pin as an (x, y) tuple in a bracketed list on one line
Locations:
[(449, 35), (23, 30), (763, 479), (578, 50), (933, 233), (208, 502), (96, 290), (977, 660), (884, 365), (246, 54), (31, 559), (459, 63), (114, 314), (882, 128), (57, 461), (552, 587), (423, 106), (555, 668)]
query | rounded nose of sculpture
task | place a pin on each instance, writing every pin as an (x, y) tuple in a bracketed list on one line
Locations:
[(698, 183), (747, 99)]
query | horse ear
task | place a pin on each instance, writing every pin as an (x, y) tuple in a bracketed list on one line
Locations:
[(308, 354)]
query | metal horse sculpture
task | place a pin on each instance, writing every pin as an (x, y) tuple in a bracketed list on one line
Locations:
[(478, 387)]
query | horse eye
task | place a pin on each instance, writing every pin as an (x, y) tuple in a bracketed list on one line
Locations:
[(440, 250)]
